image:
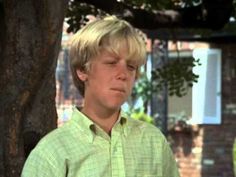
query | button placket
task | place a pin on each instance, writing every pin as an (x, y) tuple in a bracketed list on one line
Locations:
[(117, 159)]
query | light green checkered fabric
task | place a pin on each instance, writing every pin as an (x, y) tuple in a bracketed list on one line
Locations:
[(81, 149)]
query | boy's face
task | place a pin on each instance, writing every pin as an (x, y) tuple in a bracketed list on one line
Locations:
[(110, 80)]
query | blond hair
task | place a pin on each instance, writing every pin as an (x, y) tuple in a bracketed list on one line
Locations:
[(109, 34)]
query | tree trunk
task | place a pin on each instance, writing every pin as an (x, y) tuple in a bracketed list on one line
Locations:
[(30, 36)]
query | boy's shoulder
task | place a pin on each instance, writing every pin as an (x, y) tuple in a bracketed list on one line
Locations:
[(55, 138)]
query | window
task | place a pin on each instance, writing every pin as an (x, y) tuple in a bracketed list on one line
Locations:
[(206, 93)]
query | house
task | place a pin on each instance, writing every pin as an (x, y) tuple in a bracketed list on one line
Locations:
[(204, 148)]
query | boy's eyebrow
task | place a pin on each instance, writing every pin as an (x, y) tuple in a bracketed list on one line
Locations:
[(113, 54)]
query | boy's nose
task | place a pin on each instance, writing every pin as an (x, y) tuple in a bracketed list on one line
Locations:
[(121, 76), (122, 72)]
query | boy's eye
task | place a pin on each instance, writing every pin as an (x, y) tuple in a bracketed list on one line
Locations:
[(111, 62), (132, 67)]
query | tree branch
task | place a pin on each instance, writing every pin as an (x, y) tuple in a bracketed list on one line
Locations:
[(200, 16), (138, 17)]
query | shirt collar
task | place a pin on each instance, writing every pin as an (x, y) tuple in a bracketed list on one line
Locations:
[(88, 127), (83, 123), (124, 120)]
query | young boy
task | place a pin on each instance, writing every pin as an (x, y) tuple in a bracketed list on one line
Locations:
[(100, 140)]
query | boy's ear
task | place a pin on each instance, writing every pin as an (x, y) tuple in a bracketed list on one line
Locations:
[(83, 76)]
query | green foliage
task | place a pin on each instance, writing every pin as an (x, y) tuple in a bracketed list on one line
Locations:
[(142, 88), (151, 5), (77, 12), (180, 119), (176, 74), (139, 114)]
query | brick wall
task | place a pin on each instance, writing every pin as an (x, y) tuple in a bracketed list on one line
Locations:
[(187, 146), (207, 150)]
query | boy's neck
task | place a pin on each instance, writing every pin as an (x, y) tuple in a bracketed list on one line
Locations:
[(103, 118)]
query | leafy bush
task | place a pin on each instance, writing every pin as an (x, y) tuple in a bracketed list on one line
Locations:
[(141, 115)]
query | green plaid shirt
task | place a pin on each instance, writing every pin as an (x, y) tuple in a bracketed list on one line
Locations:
[(81, 149)]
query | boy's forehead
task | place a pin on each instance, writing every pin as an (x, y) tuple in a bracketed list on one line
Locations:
[(122, 48), (121, 55), (121, 52)]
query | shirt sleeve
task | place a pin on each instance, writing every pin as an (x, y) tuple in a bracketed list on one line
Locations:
[(42, 164), (169, 167)]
